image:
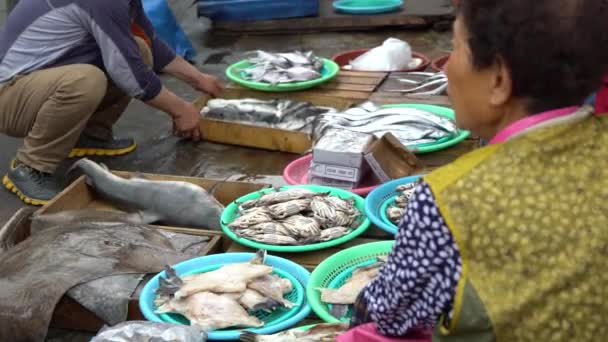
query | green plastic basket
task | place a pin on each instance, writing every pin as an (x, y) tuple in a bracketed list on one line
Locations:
[(330, 70), (230, 213), (296, 296), (336, 269)]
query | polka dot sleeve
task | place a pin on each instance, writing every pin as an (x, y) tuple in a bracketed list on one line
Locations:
[(418, 283)]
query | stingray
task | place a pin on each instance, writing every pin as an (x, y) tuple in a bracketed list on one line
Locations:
[(108, 297), (37, 272)]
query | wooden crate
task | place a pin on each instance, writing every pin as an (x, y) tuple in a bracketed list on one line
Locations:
[(79, 195), (68, 313), (274, 139)]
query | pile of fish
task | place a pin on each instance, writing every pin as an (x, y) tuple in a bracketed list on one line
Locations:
[(285, 114), (296, 216), (325, 332), (347, 294), (225, 297), (275, 68), (411, 126), (395, 212)]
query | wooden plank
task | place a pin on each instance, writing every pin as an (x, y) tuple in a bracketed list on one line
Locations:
[(322, 24), (267, 138), (74, 196), (359, 80)]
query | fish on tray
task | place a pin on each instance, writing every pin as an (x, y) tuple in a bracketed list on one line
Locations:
[(410, 125), (275, 68), (296, 216), (347, 293), (225, 297), (285, 114), (325, 332), (395, 211), (171, 202)]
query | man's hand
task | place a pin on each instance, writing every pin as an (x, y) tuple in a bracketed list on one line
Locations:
[(186, 123), (184, 71), (184, 114), (208, 84)]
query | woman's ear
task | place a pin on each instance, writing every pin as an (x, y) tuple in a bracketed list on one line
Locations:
[(501, 84)]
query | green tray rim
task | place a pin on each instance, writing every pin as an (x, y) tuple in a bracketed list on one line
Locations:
[(233, 74), (233, 207)]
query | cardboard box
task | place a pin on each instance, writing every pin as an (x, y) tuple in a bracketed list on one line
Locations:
[(332, 182), (340, 147), (274, 139), (389, 159), (336, 172)]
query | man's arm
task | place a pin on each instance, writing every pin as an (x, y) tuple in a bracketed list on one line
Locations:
[(418, 283), (110, 25)]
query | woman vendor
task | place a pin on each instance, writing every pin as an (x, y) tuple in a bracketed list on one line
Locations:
[(509, 242)]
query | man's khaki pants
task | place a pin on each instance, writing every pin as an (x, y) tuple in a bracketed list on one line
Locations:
[(52, 107)]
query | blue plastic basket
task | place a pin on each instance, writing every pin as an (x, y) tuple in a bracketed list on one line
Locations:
[(283, 266), (377, 201)]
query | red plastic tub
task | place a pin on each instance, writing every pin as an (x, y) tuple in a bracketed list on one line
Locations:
[(438, 64), (344, 58), (297, 173)]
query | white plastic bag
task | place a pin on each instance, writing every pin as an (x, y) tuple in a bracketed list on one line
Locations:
[(393, 55)]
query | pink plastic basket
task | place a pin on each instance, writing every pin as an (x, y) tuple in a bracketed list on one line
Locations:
[(367, 332), (297, 173)]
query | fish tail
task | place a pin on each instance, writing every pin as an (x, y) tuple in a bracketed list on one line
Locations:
[(171, 284), (260, 257), (248, 336), (339, 310)]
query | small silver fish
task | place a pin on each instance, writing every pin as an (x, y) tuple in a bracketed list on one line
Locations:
[(301, 226), (395, 214), (274, 239), (251, 218), (282, 210), (272, 227), (345, 205), (284, 196)]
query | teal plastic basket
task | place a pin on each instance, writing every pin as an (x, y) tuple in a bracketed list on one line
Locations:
[(296, 296), (230, 213), (380, 198), (336, 270)]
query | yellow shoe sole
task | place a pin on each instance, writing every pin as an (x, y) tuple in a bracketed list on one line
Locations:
[(12, 188), (83, 152)]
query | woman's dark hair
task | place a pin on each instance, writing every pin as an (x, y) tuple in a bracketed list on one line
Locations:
[(556, 50)]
